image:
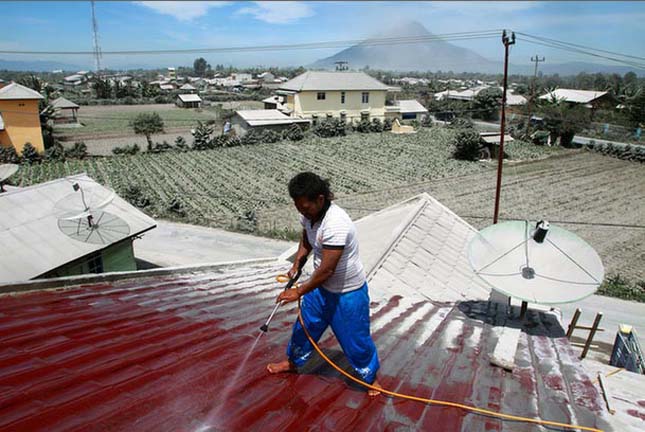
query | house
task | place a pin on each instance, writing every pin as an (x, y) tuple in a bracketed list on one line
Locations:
[(188, 101), (20, 122), (176, 348), (245, 120), (187, 88), (45, 243), (241, 77), (172, 73), (74, 80), (275, 102), (266, 76), (409, 109), (350, 96), (587, 98), (66, 111)]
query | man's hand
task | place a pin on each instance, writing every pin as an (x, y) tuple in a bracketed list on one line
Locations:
[(293, 271), (288, 296)]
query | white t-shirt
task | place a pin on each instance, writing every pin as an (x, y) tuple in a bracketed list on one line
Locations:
[(334, 230)]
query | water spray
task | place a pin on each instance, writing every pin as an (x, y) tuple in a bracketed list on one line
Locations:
[(290, 282)]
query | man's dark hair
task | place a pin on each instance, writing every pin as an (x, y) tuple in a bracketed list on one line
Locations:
[(309, 185)]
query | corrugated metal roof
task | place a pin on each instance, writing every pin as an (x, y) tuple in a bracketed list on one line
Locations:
[(314, 80), (267, 117), (189, 98), (171, 351), (576, 96), (17, 91), (187, 87), (62, 103), (29, 229), (411, 106)]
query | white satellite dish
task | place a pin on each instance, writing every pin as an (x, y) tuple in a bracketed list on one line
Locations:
[(536, 263), (6, 171), (81, 214)]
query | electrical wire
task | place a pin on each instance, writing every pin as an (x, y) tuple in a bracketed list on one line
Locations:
[(285, 47), (473, 409)]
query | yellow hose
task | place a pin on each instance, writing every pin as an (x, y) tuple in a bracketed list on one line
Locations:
[(438, 402)]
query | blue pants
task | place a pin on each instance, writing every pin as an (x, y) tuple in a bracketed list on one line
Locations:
[(349, 316)]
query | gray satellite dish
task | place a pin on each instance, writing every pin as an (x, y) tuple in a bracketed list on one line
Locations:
[(536, 263), (81, 215), (6, 171)]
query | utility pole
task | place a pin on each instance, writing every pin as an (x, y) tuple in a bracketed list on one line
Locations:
[(536, 60), (97, 49), (507, 41)]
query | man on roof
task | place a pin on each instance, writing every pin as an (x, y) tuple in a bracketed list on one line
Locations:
[(336, 294)]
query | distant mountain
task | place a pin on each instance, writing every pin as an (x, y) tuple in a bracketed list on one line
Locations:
[(443, 56), (37, 66)]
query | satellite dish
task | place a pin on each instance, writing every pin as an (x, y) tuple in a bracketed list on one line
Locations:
[(537, 263), (104, 228), (81, 215), (6, 171)]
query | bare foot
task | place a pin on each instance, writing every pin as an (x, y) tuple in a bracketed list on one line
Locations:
[(371, 392), (280, 367)]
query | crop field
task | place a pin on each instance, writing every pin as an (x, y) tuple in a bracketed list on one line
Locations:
[(224, 184), (601, 199)]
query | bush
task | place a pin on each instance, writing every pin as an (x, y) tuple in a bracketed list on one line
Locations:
[(252, 137), (293, 133), (363, 126), (9, 155), (427, 121), (329, 128), (271, 136), (129, 150), (202, 136), (617, 286), (78, 151), (161, 147), (387, 124), (176, 206), (467, 145), (181, 144), (135, 196), (461, 123), (30, 154), (233, 141), (55, 153), (376, 126)]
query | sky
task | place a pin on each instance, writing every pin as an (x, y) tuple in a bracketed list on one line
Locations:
[(147, 25)]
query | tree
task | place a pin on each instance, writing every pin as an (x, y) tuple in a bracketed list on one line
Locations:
[(147, 124), (635, 107), (102, 88), (488, 103), (200, 66), (564, 120)]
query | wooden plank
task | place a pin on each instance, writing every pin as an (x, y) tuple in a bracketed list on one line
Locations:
[(504, 352)]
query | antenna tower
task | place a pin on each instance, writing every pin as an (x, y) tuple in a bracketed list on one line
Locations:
[(97, 49)]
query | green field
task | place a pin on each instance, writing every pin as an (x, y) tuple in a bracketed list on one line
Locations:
[(221, 185)]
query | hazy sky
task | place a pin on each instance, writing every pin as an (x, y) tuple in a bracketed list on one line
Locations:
[(42, 26)]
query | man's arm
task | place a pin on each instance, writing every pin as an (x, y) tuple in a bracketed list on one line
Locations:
[(304, 248), (328, 263)]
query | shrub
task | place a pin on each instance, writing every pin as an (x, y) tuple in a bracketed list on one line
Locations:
[(387, 124), (30, 154), (461, 123), (129, 150), (162, 147), (363, 126), (177, 206), (233, 141), (293, 133), (271, 136), (202, 136), (329, 128), (467, 145), (181, 144), (78, 151), (55, 153), (376, 126), (147, 124), (427, 122), (135, 196), (9, 155), (252, 137)]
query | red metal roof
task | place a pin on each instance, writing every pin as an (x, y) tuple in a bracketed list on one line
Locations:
[(160, 353)]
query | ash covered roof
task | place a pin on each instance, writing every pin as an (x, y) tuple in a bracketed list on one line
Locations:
[(161, 350)]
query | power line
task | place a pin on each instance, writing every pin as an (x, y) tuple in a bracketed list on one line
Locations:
[(279, 47)]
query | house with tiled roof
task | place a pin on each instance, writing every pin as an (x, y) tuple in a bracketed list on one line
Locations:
[(19, 117), (179, 349), (42, 237)]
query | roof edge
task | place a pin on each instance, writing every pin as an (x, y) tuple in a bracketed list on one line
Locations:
[(71, 281)]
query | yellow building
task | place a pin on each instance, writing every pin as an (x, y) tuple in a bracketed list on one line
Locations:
[(19, 117), (350, 96)]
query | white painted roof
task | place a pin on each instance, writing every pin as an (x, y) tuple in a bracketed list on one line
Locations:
[(411, 106), (17, 91), (513, 99), (267, 117), (576, 96), (29, 228), (187, 87), (189, 98), (167, 87), (63, 103), (314, 80)]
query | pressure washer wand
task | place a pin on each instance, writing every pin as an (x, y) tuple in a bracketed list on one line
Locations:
[(289, 284)]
